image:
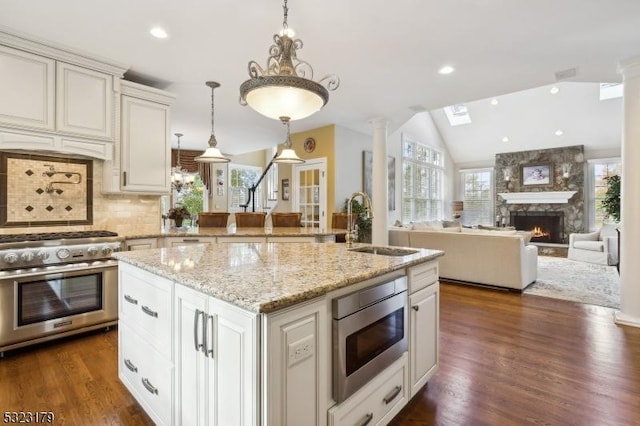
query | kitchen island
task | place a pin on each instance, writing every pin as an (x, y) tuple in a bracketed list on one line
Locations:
[(241, 333)]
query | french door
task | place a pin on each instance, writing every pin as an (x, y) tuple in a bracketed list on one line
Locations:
[(310, 192)]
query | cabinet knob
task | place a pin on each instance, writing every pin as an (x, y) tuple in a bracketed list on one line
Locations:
[(416, 308)]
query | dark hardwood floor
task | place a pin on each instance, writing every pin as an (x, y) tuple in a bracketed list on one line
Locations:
[(505, 359)]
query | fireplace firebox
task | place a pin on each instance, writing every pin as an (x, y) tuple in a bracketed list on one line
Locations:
[(547, 227)]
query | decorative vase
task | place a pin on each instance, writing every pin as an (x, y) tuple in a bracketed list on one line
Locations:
[(178, 221)]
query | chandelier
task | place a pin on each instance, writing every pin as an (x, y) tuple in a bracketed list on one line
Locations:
[(212, 154), (180, 178), (287, 155), (286, 87)]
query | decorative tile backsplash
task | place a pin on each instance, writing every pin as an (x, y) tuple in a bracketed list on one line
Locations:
[(44, 191), (126, 214)]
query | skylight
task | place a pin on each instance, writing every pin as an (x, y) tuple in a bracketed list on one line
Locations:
[(457, 114), (610, 91)]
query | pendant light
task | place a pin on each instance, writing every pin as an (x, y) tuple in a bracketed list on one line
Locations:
[(212, 154), (287, 155), (180, 178), (286, 87)]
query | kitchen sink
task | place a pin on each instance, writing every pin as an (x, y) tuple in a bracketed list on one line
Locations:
[(384, 251)]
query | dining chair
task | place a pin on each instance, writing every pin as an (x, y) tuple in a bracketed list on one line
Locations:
[(286, 220), (250, 219)]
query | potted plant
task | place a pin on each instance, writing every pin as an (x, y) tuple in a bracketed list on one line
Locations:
[(178, 213), (362, 223), (611, 201)]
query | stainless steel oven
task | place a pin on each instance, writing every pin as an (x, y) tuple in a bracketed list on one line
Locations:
[(369, 334), (56, 287)]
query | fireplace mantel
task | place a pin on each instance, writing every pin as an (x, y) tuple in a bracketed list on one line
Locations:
[(542, 197)]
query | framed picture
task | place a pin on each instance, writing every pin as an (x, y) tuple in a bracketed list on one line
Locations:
[(367, 168), (536, 175), (285, 189)]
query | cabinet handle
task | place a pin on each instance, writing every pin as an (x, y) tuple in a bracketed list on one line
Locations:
[(392, 395), (416, 308), (196, 319), (147, 384), (124, 178), (205, 343), (149, 312), (190, 240), (367, 419), (208, 351), (130, 299), (130, 366)]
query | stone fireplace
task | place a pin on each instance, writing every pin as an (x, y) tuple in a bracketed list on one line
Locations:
[(557, 205), (547, 227)]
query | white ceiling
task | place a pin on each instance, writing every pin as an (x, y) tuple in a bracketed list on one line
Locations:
[(386, 54)]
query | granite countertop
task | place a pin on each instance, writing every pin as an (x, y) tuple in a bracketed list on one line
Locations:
[(266, 277), (244, 232)]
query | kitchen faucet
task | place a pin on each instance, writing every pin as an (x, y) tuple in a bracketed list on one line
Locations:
[(366, 203)]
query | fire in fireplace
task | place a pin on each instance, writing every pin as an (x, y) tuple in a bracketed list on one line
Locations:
[(547, 227)]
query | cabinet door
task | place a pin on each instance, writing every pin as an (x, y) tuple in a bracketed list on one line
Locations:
[(236, 360), (191, 369), (27, 89), (423, 342), (84, 102), (146, 150)]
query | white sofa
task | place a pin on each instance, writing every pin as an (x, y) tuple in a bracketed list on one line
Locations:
[(496, 258), (600, 246)]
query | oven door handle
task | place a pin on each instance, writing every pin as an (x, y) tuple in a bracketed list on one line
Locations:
[(52, 272)]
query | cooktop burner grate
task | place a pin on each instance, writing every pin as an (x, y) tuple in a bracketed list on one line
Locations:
[(19, 238)]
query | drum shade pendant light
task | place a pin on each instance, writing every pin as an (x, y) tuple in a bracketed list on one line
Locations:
[(212, 154), (287, 155), (286, 87)]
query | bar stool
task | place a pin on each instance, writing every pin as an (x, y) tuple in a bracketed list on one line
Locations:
[(213, 219), (286, 220), (339, 221), (250, 219)]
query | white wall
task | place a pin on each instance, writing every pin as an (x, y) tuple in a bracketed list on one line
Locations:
[(348, 162)]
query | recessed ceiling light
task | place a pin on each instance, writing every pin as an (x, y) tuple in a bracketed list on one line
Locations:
[(158, 32), (554, 90), (494, 102), (559, 132), (446, 70), (505, 139)]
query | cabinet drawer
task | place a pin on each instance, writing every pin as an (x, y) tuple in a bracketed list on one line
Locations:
[(147, 375), (422, 276), (185, 241), (378, 401), (145, 302)]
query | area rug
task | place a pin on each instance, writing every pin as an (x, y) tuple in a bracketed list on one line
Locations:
[(561, 278)]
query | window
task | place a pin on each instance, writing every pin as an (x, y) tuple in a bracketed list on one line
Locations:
[(600, 169), (477, 195), (422, 181), (241, 178)]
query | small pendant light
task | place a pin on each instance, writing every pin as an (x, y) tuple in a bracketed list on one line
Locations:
[(212, 154)]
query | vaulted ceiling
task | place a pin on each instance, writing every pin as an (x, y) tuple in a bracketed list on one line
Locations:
[(386, 53)]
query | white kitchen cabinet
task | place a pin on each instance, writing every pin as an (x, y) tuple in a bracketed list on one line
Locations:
[(145, 141), (241, 239), (378, 401), (141, 244), (27, 88), (216, 359), (185, 241), (145, 362), (296, 354), (424, 324), (84, 102)]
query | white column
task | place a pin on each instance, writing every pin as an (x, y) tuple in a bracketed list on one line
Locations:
[(629, 313), (379, 178)]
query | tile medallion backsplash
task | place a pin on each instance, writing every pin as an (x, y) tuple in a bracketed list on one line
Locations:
[(43, 191)]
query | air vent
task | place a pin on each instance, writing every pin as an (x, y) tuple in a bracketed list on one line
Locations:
[(566, 74)]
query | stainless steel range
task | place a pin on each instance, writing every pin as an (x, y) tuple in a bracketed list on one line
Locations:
[(56, 284)]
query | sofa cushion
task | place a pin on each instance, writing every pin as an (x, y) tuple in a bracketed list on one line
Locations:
[(589, 245), (497, 228), (489, 232), (428, 225)]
